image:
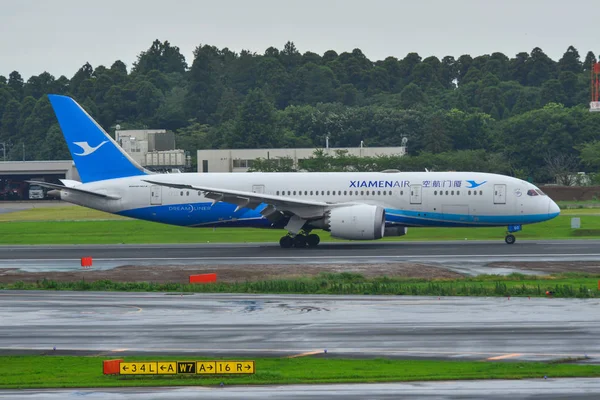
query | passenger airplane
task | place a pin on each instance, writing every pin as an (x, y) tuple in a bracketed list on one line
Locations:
[(350, 205)]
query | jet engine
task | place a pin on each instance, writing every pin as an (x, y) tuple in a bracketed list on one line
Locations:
[(359, 222)]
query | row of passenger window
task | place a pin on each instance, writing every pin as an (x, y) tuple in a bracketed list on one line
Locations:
[(451, 193), (338, 193), (187, 193), (355, 193)]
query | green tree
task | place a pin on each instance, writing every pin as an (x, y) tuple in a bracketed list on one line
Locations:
[(228, 105), (149, 99), (448, 72), (55, 147), (170, 114), (255, 123), (15, 82), (315, 84), (10, 120), (519, 67), (25, 109), (552, 92), (35, 128), (205, 86), (570, 61), (353, 68), (194, 137), (570, 87), (411, 96), (37, 86), (406, 67), (590, 155), (5, 98), (161, 57), (290, 56), (542, 68), (590, 59), (84, 73), (435, 139)]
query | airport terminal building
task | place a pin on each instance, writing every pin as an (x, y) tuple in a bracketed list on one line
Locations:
[(241, 160), (14, 174)]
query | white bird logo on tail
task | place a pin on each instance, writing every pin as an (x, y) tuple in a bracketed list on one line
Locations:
[(87, 149)]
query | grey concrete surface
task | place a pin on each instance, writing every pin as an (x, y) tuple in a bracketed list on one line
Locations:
[(10, 206), (550, 389), (462, 256), (256, 325)]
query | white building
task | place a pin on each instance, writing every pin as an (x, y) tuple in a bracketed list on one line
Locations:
[(240, 160), (152, 148)]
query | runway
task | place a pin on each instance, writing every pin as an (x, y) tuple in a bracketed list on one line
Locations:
[(268, 325), (62, 258), (13, 206), (484, 329), (579, 389)]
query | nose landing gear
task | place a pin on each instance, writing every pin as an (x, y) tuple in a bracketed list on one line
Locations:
[(510, 238)]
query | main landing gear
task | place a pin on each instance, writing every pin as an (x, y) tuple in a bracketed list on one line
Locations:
[(299, 241), (510, 238)]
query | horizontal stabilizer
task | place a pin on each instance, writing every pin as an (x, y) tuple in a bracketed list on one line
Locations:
[(73, 190)]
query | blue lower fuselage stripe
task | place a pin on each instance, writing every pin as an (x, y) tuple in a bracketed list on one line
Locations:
[(223, 214)]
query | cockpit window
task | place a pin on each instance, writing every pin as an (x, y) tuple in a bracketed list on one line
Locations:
[(532, 192), (540, 192)]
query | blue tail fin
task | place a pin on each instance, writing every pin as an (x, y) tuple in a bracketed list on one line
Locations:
[(97, 156)]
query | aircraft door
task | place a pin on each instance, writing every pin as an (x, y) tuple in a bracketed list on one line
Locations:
[(415, 194), (499, 194), (155, 195), (258, 188)]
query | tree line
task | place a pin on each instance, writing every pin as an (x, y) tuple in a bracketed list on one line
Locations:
[(512, 114)]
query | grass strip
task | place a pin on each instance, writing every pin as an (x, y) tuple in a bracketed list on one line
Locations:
[(569, 285), (574, 204), (134, 231), (79, 225), (21, 372)]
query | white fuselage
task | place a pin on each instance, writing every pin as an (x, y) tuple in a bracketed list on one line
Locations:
[(409, 198)]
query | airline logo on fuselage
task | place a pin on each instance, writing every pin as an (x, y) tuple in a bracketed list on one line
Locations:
[(379, 184), (474, 184), (425, 183)]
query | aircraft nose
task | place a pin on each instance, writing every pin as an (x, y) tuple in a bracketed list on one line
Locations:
[(553, 209)]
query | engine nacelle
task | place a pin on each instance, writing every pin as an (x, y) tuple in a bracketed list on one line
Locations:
[(359, 222)]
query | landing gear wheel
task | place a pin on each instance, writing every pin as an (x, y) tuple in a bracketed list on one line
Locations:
[(286, 242), (313, 240), (299, 241), (510, 239)]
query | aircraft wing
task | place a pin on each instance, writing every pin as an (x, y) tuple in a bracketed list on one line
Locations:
[(307, 209), (73, 190)]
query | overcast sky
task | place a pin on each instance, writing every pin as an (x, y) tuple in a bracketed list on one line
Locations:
[(59, 36)]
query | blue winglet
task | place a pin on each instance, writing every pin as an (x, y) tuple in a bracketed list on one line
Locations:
[(97, 156)]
